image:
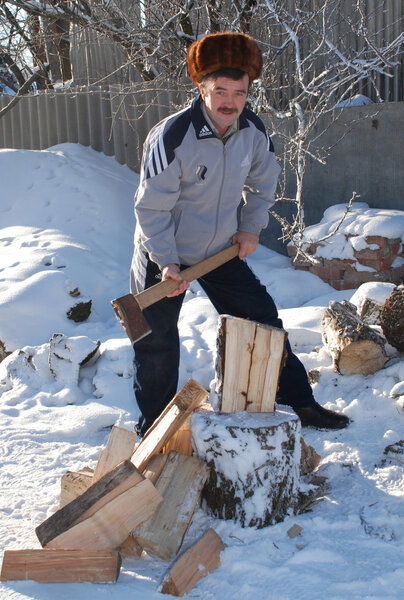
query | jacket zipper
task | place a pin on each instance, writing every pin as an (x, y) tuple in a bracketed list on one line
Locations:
[(219, 201)]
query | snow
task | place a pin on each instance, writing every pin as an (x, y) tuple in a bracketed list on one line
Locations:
[(67, 223), (357, 100), (360, 223)]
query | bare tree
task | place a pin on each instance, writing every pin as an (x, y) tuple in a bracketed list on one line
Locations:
[(318, 54)]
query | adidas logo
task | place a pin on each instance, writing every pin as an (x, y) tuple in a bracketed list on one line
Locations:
[(204, 131)]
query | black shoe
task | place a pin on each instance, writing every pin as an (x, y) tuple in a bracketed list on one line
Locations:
[(321, 418)]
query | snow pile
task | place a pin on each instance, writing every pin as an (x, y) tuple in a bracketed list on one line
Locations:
[(67, 216), (360, 223)]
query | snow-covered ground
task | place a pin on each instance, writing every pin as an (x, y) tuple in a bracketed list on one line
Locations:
[(66, 223)]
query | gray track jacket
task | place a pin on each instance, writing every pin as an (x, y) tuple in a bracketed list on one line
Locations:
[(191, 185)]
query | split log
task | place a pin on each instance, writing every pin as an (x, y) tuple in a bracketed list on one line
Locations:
[(180, 484), (119, 447), (59, 566), (154, 467), (354, 346), (181, 440), (249, 361), (199, 560), (254, 462), (170, 420), (110, 525), (130, 547), (114, 483), (392, 318), (73, 484)]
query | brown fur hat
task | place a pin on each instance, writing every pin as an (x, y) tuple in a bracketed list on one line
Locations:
[(220, 50)]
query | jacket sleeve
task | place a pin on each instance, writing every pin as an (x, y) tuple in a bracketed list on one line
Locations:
[(260, 185), (156, 196)]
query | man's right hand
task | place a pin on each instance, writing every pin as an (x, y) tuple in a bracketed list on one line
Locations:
[(172, 271)]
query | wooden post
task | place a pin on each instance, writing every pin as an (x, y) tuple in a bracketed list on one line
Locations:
[(180, 484), (119, 447), (249, 362), (254, 461), (199, 560), (58, 566)]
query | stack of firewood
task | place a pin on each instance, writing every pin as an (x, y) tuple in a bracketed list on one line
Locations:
[(142, 498), (135, 499)]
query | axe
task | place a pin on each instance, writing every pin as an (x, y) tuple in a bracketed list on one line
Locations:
[(128, 309)]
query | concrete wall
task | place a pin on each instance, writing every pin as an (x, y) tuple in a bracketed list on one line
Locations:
[(368, 158)]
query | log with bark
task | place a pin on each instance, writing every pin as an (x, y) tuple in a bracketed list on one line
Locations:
[(353, 345), (392, 318)]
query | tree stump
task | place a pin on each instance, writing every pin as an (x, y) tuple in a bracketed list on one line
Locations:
[(254, 462), (392, 318), (354, 346)]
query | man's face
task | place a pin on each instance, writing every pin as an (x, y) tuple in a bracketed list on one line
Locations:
[(224, 100)]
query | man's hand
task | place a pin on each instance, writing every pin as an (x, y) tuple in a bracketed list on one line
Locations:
[(248, 243), (172, 271)]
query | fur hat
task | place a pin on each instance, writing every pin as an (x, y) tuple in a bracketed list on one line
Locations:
[(223, 50)]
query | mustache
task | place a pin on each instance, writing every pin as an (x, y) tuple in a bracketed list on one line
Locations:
[(227, 111)]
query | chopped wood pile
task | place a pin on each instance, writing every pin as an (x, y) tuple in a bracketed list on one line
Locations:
[(143, 498), (135, 499)]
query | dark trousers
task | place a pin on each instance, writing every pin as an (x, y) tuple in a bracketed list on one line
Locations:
[(233, 289)]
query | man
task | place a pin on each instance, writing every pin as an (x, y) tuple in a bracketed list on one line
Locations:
[(197, 165)]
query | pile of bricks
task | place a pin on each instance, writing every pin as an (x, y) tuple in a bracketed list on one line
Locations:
[(379, 261)]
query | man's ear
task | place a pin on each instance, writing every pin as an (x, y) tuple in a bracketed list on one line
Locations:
[(202, 91)]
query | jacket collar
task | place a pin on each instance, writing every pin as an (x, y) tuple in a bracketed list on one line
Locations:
[(203, 130)]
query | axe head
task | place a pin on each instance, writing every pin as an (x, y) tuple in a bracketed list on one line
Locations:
[(130, 315)]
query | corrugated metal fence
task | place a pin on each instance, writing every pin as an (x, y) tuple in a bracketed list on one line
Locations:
[(113, 120)]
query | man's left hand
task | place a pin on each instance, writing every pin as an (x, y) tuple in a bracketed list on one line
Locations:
[(248, 243)]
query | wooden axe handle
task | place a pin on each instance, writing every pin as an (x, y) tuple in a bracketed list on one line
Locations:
[(160, 290)]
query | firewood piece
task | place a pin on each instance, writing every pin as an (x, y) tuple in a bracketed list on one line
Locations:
[(109, 527), (180, 484), (354, 346), (250, 357), (130, 547), (73, 484), (152, 472), (181, 440), (309, 459), (254, 461), (294, 531), (392, 318), (199, 560), (173, 416), (119, 447), (154, 467), (108, 487), (58, 566)]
